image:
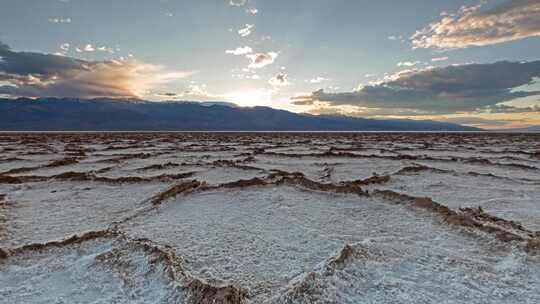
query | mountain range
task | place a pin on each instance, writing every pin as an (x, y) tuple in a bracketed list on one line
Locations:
[(71, 114), (528, 129)]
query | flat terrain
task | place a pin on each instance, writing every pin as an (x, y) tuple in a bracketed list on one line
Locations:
[(270, 218)]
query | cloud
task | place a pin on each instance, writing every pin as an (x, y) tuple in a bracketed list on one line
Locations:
[(260, 60), (196, 90), (32, 74), (327, 108), (237, 2), (437, 59), (168, 94), (252, 11), (502, 108), (509, 21), (451, 89), (89, 48), (60, 20), (246, 30), (107, 49), (240, 51), (64, 49), (408, 63), (318, 79), (280, 80)]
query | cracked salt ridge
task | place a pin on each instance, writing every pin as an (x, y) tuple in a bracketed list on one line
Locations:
[(175, 156), (80, 167), (104, 270), (221, 175), (206, 171), (499, 160), (44, 211), (353, 169), (127, 150), (211, 175), (507, 199), (466, 154), (20, 163), (344, 169), (266, 238), (513, 173), (27, 161), (298, 150), (310, 166)]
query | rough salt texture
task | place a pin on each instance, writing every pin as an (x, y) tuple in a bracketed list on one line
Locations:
[(265, 237), (55, 210), (97, 271), (270, 218)]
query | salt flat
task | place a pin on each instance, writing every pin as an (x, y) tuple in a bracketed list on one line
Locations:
[(270, 218)]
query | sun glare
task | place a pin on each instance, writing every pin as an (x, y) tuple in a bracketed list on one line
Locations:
[(251, 97)]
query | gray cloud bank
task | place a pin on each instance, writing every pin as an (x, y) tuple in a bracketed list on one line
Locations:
[(446, 90), (32, 74)]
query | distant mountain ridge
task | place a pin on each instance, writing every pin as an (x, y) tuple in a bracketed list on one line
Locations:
[(72, 114), (528, 129)]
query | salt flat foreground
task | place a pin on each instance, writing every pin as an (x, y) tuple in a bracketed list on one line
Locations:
[(270, 218)]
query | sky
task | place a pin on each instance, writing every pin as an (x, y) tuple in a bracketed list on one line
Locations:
[(475, 63)]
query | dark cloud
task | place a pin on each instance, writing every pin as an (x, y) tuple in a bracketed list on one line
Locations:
[(459, 88), (260, 60), (511, 109), (45, 65), (168, 94), (511, 20), (279, 80), (32, 74)]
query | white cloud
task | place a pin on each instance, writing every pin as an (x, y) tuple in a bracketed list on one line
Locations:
[(508, 21), (240, 51), (317, 80), (64, 48), (60, 20), (395, 38), (246, 30), (237, 2), (252, 11), (89, 48), (408, 63), (437, 59), (106, 49)]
